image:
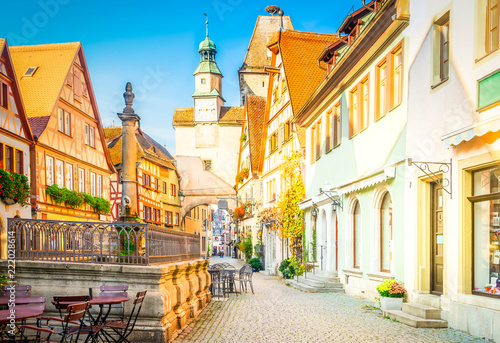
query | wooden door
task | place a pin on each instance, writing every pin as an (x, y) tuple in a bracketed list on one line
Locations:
[(437, 239)]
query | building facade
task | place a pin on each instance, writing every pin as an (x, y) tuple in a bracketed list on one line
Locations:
[(70, 149), (15, 139), (158, 200)]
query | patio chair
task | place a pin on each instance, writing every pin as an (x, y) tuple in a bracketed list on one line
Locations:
[(71, 324), (229, 276), (246, 273), (20, 291), (115, 291), (123, 328), (62, 302)]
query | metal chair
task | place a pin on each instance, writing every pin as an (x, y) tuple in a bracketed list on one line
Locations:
[(62, 302), (115, 291), (124, 328), (246, 273), (71, 324), (20, 291)]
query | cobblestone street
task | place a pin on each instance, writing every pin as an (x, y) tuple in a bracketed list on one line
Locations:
[(278, 313)]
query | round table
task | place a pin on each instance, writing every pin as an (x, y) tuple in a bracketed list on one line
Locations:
[(20, 314), (4, 301)]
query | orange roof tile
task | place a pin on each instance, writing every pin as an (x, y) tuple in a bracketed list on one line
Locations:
[(265, 26), (183, 116), (255, 107), (299, 52), (40, 92), (233, 114)]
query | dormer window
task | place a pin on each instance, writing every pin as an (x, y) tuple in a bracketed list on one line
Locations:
[(30, 71)]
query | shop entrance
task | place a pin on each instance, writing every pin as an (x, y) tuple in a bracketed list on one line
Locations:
[(437, 239)]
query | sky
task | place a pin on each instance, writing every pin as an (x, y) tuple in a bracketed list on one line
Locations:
[(154, 45)]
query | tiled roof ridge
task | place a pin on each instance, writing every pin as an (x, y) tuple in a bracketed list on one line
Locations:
[(51, 46), (309, 35)]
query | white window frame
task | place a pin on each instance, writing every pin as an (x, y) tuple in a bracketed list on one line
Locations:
[(99, 185), (69, 176), (49, 170), (59, 173), (92, 184), (81, 180)]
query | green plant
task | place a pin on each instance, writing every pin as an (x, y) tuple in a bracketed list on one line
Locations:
[(391, 289), (243, 137), (287, 269), (247, 248), (74, 199), (255, 263), (15, 187)]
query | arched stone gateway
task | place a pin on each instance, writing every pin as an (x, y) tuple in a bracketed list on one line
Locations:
[(200, 186)]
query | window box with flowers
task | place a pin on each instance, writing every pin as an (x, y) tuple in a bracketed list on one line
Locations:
[(242, 175), (74, 199), (239, 212), (392, 294), (14, 188)]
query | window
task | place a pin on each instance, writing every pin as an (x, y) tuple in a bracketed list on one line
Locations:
[(354, 113), (5, 96), (486, 230), (488, 90), (313, 144), (9, 158), (328, 130), (168, 218), (275, 94), (283, 85), (317, 136), (207, 164), (359, 108), (147, 213), (271, 190), (288, 130), (60, 173), (273, 142), (69, 176), (89, 135), (64, 122), (444, 64), (356, 224), (49, 170), (30, 71), (492, 38), (173, 190), (92, 137), (203, 81), (381, 102), (157, 187), (386, 234), (99, 185), (81, 180), (164, 188), (177, 219), (389, 82), (397, 77), (92, 184), (336, 125), (1, 155), (19, 162)]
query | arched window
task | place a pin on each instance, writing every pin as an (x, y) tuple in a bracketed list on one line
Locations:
[(356, 224), (386, 234)]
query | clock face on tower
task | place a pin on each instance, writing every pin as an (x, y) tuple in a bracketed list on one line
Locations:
[(205, 109)]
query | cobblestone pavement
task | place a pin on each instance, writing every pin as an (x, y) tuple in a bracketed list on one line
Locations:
[(278, 313)]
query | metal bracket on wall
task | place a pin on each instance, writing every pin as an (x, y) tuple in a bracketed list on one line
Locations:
[(429, 169)]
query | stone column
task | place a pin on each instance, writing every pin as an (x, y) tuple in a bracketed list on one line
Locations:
[(128, 177)]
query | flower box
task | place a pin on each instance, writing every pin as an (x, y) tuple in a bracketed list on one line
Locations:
[(388, 304)]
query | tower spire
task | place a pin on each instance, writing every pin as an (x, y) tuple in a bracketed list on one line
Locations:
[(206, 22)]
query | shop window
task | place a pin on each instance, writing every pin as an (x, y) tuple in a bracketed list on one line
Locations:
[(486, 231)]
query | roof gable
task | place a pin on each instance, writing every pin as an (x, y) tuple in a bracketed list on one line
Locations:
[(255, 108), (299, 52), (17, 105)]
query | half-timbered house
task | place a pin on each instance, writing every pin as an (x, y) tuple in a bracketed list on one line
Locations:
[(158, 200), (69, 149), (15, 139)]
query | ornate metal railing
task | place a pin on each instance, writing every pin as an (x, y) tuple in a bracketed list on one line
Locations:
[(97, 242)]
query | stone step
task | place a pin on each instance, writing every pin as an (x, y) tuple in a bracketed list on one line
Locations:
[(310, 289), (325, 273), (422, 311), (429, 300), (318, 283), (332, 279), (414, 321)]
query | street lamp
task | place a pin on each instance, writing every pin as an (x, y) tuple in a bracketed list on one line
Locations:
[(314, 211), (334, 197)]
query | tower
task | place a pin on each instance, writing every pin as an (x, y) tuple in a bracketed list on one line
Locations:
[(208, 83)]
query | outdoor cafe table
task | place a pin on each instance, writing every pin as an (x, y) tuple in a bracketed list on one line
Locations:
[(99, 301), (21, 314)]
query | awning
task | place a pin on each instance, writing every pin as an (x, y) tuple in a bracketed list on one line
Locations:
[(475, 130)]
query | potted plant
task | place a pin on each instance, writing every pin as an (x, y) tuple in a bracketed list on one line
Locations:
[(255, 264), (392, 293)]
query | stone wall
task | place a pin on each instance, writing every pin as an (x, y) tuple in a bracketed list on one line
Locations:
[(177, 292)]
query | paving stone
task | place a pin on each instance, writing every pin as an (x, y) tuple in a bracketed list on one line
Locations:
[(278, 313)]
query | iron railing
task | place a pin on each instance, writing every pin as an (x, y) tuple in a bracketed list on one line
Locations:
[(97, 242)]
